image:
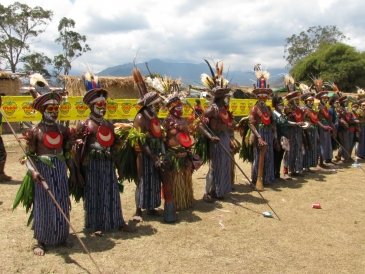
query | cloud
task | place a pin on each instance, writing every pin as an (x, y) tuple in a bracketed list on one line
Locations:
[(239, 32)]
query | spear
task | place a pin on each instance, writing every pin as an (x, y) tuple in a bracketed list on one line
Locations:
[(50, 194), (231, 157)]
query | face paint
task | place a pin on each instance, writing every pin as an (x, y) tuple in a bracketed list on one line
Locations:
[(310, 103), (99, 108), (51, 113), (178, 110)]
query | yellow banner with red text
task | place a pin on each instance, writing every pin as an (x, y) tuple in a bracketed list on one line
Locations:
[(19, 108)]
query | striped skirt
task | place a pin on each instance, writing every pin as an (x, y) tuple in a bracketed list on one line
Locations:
[(346, 139), (295, 155), (325, 144), (102, 199), (148, 192), (220, 165), (361, 146), (269, 176), (310, 157), (50, 227)]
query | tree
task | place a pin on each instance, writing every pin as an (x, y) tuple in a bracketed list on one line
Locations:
[(73, 44), (36, 62), (338, 63), (300, 46), (18, 24)]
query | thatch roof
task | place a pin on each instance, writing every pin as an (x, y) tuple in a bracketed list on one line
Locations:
[(118, 87), (9, 83)]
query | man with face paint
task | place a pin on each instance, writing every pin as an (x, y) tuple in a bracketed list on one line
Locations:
[(50, 140), (325, 128), (151, 153), (295, 116), (361, 116), (310, 157), (219, 177), (281, 146), (179, 169), (346, 130), (263, 128), (102, 203)]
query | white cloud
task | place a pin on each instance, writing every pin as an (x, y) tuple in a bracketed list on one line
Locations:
[(239, 32)]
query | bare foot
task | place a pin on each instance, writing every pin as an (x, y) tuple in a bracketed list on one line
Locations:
[(97, 234), (39, 249), (137, 216), (128, 228)]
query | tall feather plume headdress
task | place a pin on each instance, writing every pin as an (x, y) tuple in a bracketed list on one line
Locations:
[(216, 84), (289, 82)]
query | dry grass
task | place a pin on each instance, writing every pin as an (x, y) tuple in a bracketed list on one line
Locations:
[(230, 236)]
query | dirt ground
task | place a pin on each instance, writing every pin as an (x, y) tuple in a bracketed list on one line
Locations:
[(230, 236)]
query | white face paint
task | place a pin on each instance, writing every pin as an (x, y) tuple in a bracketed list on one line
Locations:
[(99, 108), (280, 107), (50, 113)]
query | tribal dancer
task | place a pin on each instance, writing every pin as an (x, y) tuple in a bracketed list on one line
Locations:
[(295, 116), (361, 146), (281, 146), (346, 129), (180, 158), (47, 145), (219, 176), (310, 157), (150, 153), (263, 130), (102, 203)]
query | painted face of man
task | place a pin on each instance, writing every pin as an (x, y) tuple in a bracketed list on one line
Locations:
[(280, 107), (99, 108), (310, 103), (178, 110), (51, 112), (324, 99), (262, 97)]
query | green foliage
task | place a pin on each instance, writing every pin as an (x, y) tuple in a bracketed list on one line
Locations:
[(301, 45), (338, 63), (73, 46), (18, 24), (25, 195), (36, 62)]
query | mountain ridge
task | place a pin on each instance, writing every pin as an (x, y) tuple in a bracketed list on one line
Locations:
[(189, 73)]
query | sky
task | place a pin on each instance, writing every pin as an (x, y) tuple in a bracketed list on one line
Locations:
[(240, 33)]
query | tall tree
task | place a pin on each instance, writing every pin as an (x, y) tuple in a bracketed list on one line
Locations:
[(301, 45), (73, 45), (18, 24), (338, 63), (36, 62)]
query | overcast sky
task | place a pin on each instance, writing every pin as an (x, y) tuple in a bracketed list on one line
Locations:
[(239, 32)]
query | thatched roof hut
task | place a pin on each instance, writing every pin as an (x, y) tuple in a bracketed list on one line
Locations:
[(118, 87), (9, 83)]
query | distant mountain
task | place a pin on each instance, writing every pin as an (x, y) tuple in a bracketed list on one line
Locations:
[(188, 72)]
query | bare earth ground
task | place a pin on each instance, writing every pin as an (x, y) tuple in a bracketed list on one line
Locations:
[(231, 236)]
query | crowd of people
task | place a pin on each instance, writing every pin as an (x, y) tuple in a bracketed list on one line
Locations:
[(295, 132)]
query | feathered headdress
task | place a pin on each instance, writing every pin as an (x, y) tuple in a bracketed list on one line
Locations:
[(91, 81), (289, 82), (360, 93), (262, 77), (215, 83), (304, 88), (146, 98)]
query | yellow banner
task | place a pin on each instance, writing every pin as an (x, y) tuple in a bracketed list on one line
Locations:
[(19, 108)]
